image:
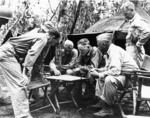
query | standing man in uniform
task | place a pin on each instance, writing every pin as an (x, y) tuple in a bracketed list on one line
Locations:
[(28, 46), (138, 33)]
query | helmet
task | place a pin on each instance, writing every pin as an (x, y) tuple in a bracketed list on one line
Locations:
[(6, 12)]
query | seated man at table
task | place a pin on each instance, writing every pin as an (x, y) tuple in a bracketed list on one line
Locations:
[(68, 59), (117, 59), (89, 57)]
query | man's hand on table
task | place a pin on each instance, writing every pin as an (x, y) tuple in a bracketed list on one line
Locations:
[(57, 72)]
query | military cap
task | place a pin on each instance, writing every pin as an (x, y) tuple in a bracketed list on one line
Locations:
[(6, 12), (105, 37)]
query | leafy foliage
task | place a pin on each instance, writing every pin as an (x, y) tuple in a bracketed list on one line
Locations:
[(63, 17)]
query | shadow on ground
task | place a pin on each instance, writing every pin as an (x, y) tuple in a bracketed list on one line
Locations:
[(69, 110)]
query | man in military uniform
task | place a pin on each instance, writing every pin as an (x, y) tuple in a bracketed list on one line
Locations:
[(138, 33), (28, 46), (5, 15)]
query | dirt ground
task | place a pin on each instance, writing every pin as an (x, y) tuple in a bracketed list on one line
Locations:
[(69, 110)]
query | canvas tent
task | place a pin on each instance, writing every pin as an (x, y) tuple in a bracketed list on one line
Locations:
[(116, 23)]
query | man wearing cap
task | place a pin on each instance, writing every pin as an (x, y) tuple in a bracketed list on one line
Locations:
[(138, 33), (68, 59), (6, 14), (89, 57), (117, 59), (28, 46)]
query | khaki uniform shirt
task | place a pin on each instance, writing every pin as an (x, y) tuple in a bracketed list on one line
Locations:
[(118, 59)]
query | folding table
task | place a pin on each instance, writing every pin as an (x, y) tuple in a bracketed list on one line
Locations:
[(60, 79)]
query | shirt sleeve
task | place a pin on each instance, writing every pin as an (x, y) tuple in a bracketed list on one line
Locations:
[(52, 64), (96, 58), (34, 52), (79, 63), (115, 64), (144, 31)]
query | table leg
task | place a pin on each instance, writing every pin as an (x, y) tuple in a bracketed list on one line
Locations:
[(134, 102), (53, 93), (74, 101), (51, 103)]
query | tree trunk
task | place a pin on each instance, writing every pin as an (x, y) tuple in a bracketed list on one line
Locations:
[(76, 16), (2, 2)]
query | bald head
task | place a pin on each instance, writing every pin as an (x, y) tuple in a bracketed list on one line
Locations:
[(68, 44), (68, 47)]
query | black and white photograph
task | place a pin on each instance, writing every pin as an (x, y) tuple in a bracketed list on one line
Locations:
[(74, 58)]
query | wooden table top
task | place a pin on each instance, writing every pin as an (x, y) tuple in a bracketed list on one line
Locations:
[(66, 78)]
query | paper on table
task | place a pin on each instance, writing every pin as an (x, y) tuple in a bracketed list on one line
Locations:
[(66, 77)]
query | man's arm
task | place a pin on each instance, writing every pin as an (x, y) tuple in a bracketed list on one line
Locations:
[(143, 31), (52, 64), (53, 67), (96, 58), (79, 62), (34, 52)]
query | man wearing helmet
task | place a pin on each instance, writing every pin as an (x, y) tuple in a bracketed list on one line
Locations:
[(6, 14)]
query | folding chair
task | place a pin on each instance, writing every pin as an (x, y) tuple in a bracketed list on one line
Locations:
[(127, 86), (43, 84), (143, 85), (138, 93), (139, 88), (127, 89)]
